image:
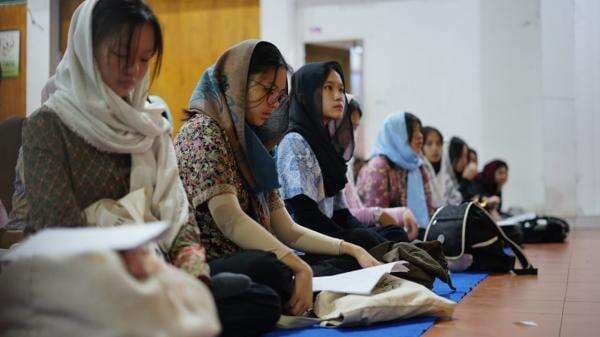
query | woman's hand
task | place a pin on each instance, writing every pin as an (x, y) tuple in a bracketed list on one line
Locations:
[(493, 202), (140, 263), (364, 259), (386, 219), (302, 296), (410, 224), (495, 215), (470, 171)]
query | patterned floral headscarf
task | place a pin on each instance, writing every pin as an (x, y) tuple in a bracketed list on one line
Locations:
[(221, 95)]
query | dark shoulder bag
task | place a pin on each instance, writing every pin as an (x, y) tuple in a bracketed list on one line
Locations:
[(469, 229)]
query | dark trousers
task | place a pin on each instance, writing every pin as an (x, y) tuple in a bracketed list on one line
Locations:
[(421, 234), (255, 309), (343, 225), (371, 236), (365, 236), (391, 233), (327, 265)]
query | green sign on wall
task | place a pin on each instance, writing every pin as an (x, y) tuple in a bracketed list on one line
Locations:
[(9, 53)]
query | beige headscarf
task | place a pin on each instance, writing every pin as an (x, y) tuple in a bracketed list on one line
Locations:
[(92, 110)]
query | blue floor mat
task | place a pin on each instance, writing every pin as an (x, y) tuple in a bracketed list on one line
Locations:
[(414, 327)]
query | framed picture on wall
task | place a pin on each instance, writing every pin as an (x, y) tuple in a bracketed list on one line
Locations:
[(9, 52)]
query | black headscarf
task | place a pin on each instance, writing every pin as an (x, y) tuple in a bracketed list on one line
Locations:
[(455, 150), (333, 145), (487, 177)]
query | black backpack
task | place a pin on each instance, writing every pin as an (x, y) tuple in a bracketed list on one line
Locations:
[(469, 229), (539, 229)]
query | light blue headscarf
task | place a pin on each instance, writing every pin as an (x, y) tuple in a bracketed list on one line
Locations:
[(392, 142)]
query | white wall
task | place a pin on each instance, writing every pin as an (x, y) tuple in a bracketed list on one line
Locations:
[(419, 56), (558, 118), (517, 79), (278, 25), (510, 57), (587, 105), (42, 48)]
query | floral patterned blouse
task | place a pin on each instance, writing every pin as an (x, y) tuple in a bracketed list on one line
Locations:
[(382, 184), (63, 175), (299, 173), (207, 168)]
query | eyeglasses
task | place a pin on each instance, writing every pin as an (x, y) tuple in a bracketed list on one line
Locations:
[(272, 96)]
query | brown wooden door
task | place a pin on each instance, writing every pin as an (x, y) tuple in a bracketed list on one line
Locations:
[(320, 53), (13, 90), (196, 33), (67, 8)]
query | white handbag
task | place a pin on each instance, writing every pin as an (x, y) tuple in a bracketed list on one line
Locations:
[(92, 294), (393, 298)]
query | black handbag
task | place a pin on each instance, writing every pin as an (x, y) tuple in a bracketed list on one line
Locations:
[(469, 229), (538, 229), (545, 229)]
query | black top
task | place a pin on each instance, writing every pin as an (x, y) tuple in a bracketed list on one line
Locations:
[(333, 148)]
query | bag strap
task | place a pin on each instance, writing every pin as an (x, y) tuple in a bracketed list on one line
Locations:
[(526, 267)]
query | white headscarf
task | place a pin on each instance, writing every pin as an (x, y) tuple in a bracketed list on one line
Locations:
[(106, 121), (449, 181), (436, 182)]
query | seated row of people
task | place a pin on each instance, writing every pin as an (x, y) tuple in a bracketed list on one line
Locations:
[(97, 140), (455, 177), (411, 173), (232, 206)]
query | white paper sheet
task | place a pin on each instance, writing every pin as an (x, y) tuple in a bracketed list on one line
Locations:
[(360, 282), (66, 241), (513, 220)]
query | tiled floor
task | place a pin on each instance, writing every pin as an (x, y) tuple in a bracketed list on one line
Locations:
[(563, 300)]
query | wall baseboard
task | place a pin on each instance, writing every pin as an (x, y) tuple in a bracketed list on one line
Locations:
[(585, 221)]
